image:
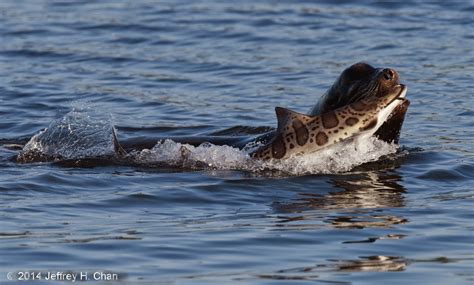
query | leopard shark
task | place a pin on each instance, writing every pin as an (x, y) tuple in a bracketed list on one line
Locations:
[(363, 102), (300, 134)]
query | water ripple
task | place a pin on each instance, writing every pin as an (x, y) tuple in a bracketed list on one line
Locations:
[(181, 68)]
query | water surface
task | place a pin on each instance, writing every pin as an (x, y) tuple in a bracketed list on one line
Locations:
[(179, 68)]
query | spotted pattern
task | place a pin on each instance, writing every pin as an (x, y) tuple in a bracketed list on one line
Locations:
[(278, 147), (370, 125), (330, 120), (302, 133), (321, 138), (299, 133), (351, 121)]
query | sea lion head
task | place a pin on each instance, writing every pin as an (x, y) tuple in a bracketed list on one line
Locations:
[(363, 81)]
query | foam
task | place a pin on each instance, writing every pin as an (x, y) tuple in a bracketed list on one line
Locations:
[(337, 158)]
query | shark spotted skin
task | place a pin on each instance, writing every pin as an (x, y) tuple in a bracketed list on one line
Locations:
[(300, 134)]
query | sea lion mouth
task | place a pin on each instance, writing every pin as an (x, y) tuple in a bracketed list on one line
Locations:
[(392, 115), (391, 103), (401, 93)]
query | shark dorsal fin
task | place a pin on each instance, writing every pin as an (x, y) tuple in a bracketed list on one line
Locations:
[(286, 117), (117, 147)]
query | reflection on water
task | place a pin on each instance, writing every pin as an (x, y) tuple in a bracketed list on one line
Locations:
[(361, 194), (365, 190), (372, 263), (363, 264), (366, 263), (356, 201), (366, 221), (375, 263)]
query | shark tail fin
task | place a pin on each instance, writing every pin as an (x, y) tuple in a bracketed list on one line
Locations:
[(117, 147)]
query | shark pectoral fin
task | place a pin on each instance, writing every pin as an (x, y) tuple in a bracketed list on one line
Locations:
[(117, 147), (286, 117)]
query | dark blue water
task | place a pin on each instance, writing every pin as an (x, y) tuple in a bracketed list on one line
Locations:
[(184, 68)]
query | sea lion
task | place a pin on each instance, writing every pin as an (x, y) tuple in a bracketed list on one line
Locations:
[(359, 81)]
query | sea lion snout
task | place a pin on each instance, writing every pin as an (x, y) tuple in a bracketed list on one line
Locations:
[(387, 79), (390, 75)]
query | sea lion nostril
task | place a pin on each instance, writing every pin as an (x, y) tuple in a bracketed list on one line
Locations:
[(388, 74)]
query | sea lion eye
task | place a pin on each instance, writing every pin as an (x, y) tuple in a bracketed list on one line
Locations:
[(388, 74)]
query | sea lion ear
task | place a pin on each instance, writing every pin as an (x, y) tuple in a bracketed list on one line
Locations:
[(287, 117)]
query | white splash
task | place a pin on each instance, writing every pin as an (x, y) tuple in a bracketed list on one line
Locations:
[(79, 134), (334, 159), (204, 156), (337, 158)]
